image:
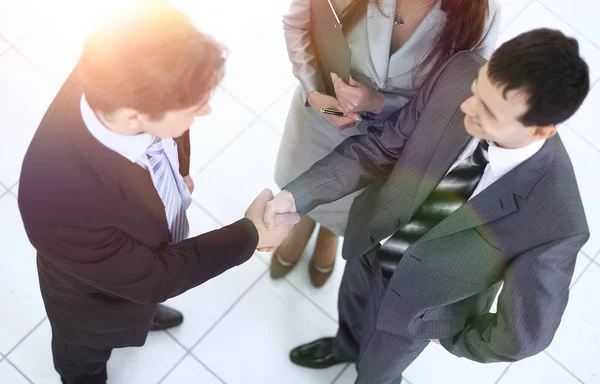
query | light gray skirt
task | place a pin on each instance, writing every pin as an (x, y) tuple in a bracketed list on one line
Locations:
[(308, 138)]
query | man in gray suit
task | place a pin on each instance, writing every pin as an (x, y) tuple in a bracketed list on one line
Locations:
[(460, 198)]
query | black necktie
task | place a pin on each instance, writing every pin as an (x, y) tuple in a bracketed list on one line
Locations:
[(452, 192)]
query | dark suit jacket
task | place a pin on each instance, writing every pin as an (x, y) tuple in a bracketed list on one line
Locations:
[(100, 229), (524, 230)]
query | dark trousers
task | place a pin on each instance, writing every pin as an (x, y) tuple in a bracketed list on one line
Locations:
[(79, 365), (380, 357)]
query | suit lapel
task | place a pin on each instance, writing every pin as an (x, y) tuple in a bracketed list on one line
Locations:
[(380, 26), (122, 178), (379, 36), (137, 188), (499, 199), (493, 203)]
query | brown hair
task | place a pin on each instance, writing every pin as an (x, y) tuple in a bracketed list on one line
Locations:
[(150, 58), (463, 29)]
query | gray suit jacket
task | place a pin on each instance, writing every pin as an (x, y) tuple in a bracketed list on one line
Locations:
[(524, 230)]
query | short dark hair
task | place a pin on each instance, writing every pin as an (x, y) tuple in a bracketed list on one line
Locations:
[(546, 65)]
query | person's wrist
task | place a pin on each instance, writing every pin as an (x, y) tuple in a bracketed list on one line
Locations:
[(378, 102), (290, 197), (313, 98)]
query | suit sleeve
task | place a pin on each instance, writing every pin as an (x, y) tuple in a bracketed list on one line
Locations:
[(393, 102), (355, 163), (111, 261), (360, 160), (184, 152), (298, 40), (530, 306)]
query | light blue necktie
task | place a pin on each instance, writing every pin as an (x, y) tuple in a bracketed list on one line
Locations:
[(167, 187)]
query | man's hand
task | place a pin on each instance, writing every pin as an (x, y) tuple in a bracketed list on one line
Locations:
[(270, 238), (355, 97), (189, 183), (281, 204), (318, 100)]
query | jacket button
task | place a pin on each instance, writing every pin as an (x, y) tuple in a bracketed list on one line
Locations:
[(372, 240), (397, 223)]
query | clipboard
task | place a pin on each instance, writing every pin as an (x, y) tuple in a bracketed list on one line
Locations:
[(331, 47)]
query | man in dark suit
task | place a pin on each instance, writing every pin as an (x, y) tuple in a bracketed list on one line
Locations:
[(460, 198), (104, 189)]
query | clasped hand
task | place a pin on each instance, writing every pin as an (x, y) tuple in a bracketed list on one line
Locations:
[(351, 98), (274, 217)]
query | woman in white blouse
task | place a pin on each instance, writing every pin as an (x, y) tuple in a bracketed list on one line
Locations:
[(395, 45)]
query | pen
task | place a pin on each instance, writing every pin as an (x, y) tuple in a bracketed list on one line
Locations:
[(335, 112)]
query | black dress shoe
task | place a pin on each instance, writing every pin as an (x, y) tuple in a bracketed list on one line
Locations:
[(165, 318), (318, 354)]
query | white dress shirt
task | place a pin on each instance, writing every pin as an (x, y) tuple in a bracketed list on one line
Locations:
[(134, 148), (501, 161)]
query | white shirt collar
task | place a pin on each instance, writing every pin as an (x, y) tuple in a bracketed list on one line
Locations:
[(130, 147), (503, 160)]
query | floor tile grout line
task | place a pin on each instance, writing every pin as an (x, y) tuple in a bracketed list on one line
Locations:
[(218, 154), (523, 8), (586, 255), (18, 370), (503, 374), (5, 40), (257, 114), (337, 377), (237, 99), (563, 367), (218, 321), (260, 114), (271, 127), (278, 98), (186, 354), (226, 146), (597, 149), (177, 341), (8, 44), (311, 301), (37, 67), (20, 39), (25, 337), (581, 275), (569, 24), (207, 368), (265, 262), (197, 204), (582, 137)]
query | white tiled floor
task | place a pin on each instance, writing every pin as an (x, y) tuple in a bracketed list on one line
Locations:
[(240, 327)]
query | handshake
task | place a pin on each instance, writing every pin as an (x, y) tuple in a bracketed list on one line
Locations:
[(274, 217)]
